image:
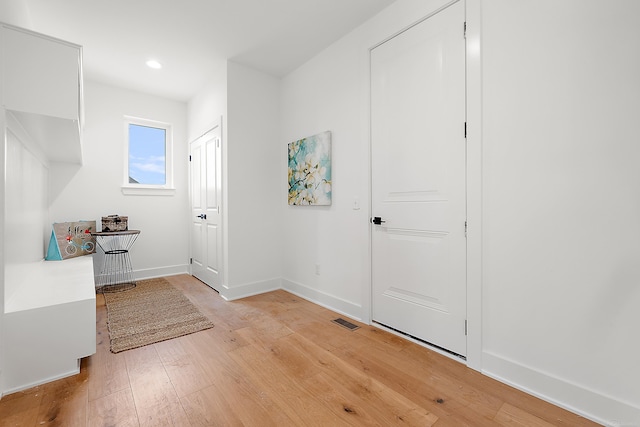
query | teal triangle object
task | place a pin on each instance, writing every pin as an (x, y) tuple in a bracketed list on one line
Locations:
[(53, 252)]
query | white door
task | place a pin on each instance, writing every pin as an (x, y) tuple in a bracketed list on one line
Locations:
[(206, 238), (418, 151)]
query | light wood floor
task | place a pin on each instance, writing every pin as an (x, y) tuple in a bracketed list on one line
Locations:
[(274, 360)]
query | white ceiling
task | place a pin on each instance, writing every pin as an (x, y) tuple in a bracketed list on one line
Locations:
[(193, 37)]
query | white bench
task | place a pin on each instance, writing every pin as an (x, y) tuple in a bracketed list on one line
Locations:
[(49, 322)]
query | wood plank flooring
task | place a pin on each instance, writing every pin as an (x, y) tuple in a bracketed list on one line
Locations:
[(274, 360)]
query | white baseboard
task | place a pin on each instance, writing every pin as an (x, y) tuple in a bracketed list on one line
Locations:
[(231, 293), (42, 381), (150, 273), (331, 302), (588, 403), (338, 305)]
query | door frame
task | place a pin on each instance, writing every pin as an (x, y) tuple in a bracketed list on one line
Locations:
[(473, 182), (473, 13)]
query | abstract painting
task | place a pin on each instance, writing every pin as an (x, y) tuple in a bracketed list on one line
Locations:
[(310, 170)]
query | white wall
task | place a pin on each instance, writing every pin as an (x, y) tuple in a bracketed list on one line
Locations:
[(94, 190), (25, 212), (3, 145), (561, 207), (209, 105), (254, 197), (325, 95), (248, 101), (15, 12), (559, 193)]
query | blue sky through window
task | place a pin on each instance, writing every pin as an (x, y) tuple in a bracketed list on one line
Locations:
[(147, 155)]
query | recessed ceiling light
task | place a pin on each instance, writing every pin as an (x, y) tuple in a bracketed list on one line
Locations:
[(152, 63)]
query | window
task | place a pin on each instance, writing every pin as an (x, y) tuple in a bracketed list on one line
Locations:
[(148, 162)]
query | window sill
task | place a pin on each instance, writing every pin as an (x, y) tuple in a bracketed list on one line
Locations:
[(143, 190)]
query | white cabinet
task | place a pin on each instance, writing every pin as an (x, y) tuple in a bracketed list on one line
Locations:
[(42, 87), (41, 75)]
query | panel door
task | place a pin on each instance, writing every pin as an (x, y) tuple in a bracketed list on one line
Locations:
[(206, 237), (418, 153)]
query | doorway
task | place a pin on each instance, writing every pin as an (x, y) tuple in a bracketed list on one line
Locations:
[(418, 181), (206, 196)]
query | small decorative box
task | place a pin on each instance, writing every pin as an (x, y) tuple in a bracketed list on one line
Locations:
[(115, 223)]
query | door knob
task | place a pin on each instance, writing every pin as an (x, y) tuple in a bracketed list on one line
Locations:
[(202, 216), (377, 220)]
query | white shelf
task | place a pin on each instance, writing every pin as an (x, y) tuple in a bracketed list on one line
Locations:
[(59, 139)]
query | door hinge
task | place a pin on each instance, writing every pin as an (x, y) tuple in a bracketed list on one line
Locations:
[(217, 142), (189, 157), (190, 260), (465, 30), (465, 129), (465, 326), (465, 229)]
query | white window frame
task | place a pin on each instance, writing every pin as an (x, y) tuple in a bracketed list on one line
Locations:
[(166, 189)]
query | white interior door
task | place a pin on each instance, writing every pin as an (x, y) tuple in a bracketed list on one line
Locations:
[(206, 238), (418, 181)]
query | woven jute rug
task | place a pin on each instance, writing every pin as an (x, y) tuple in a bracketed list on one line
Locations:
[(151, 312)]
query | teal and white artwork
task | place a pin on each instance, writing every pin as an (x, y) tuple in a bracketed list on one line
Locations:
[(310, 170)]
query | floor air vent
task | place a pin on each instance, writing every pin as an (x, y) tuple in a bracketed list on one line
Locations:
[(345, 324)]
